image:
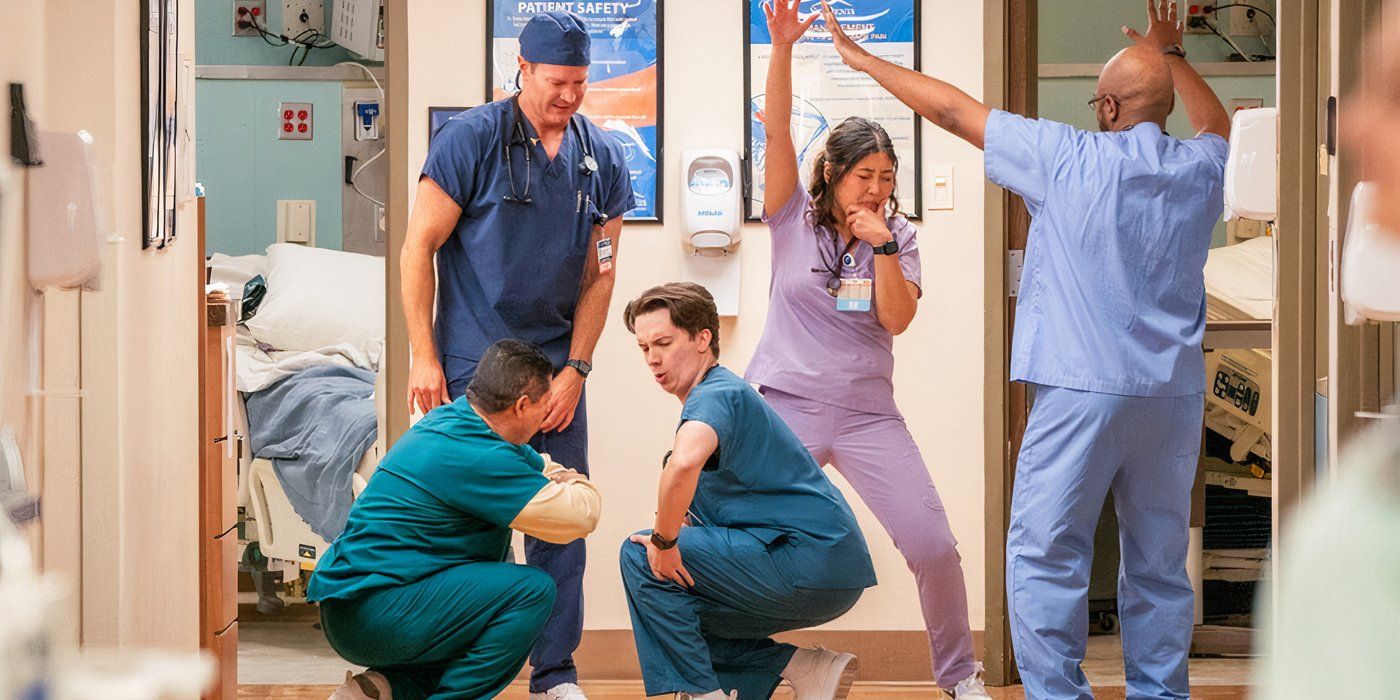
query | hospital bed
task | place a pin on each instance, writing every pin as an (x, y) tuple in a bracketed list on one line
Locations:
[(268, 517), (268, 522), (1239, 310)]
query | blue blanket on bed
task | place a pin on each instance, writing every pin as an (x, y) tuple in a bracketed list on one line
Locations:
[(315, 426)]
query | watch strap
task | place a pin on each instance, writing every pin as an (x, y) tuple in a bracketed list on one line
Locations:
[(582, 367), (661, 542), (889, 248), (1174, 50)]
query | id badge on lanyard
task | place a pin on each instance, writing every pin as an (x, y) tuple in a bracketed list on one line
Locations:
[(854, 294)]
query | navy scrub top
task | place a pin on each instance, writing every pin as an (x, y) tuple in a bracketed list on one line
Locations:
[(514, 270)]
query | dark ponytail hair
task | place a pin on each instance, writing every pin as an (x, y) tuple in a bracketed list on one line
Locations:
[(851, 140)]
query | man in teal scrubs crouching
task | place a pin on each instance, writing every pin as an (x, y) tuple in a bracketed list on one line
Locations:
[(769, 544), (417, 587)]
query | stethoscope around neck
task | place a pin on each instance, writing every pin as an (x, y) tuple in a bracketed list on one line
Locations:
[(588, 165)]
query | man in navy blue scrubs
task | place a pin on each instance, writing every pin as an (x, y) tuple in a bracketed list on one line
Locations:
[(521, 201)]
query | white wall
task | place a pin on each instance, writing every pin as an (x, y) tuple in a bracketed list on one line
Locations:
[(939, 371), (124, 505)]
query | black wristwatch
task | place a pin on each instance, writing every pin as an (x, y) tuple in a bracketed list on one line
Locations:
[(887, 249), (583, 367), (1174, 50), (661, 542)]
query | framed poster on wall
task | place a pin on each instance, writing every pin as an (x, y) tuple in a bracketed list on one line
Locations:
[(438, 117), (825, 91), (624, 80)]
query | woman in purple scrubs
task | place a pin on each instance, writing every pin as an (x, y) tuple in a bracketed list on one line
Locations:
[(845, 282)]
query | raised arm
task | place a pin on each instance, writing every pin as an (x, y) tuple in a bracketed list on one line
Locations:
[(1203, 108), (780, 156), (946, 106)]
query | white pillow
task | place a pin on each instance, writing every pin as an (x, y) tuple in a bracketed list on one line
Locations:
[(235, 271), (318, 297)]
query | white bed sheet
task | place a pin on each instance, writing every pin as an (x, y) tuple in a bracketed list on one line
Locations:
[(1242, 276), (258, 369)]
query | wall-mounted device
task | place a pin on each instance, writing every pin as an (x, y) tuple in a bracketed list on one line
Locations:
[(367, 121), (1370, 258), (712, 223), (712, 201), (1251, 173), (64, 222), (301, 19), (358, 25)]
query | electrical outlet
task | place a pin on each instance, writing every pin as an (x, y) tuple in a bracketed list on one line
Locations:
[(295, 121), (301, 17), (245, 13), (1249, 21), (1194, 17)]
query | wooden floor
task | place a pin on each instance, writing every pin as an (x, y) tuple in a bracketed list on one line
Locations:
[(604, 690)]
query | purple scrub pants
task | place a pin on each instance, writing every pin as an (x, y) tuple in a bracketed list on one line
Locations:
[(877, 455)]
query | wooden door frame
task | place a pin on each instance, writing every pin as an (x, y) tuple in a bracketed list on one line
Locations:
[(396, 350), (1300, 276), (1010, 68)]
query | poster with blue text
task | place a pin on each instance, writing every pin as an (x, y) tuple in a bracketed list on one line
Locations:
[(624, 80), (825, 91)]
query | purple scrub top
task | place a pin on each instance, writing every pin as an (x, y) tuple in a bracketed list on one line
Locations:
[(808, 348)]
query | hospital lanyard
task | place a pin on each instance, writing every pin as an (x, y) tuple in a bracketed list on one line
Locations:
[(833, 283), (588, 166)]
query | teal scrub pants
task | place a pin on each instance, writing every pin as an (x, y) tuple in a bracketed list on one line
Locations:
[(463, 632), (716, 635)]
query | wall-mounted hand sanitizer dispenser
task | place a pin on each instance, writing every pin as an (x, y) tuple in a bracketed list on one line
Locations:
[(712, 202), (1251, 173), (712, 221)]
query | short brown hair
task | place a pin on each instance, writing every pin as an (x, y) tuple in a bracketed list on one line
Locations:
[(691, 306)]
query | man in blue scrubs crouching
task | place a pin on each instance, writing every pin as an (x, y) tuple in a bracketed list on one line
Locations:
[(769, 544), (520, 206), (417, 587)]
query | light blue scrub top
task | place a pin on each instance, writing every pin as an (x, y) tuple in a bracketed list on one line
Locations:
[(764, 481), (514, 270), (1112, 296)]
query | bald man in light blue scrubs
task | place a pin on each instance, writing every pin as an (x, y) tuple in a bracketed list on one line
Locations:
[(1109, 324)]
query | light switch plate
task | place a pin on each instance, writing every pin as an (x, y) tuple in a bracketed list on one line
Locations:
[(293, 24), (940, 182), (296, 221), (296, 121)]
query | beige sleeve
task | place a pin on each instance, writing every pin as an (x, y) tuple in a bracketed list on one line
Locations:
[(560, 513)]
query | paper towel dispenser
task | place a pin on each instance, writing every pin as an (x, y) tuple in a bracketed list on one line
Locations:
[(1251, 173)]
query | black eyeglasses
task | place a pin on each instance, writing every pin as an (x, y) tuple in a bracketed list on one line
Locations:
[(1095, 100)]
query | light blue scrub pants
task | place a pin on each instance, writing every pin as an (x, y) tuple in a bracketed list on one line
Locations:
[(716, 635), (1078, 446)]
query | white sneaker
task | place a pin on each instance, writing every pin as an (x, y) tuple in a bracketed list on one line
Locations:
[(820, 674), (971, 688), (712, 695), (370, 685), (563, 691)]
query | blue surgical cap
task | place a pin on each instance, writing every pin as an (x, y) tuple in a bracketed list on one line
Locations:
[(555, 38)]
